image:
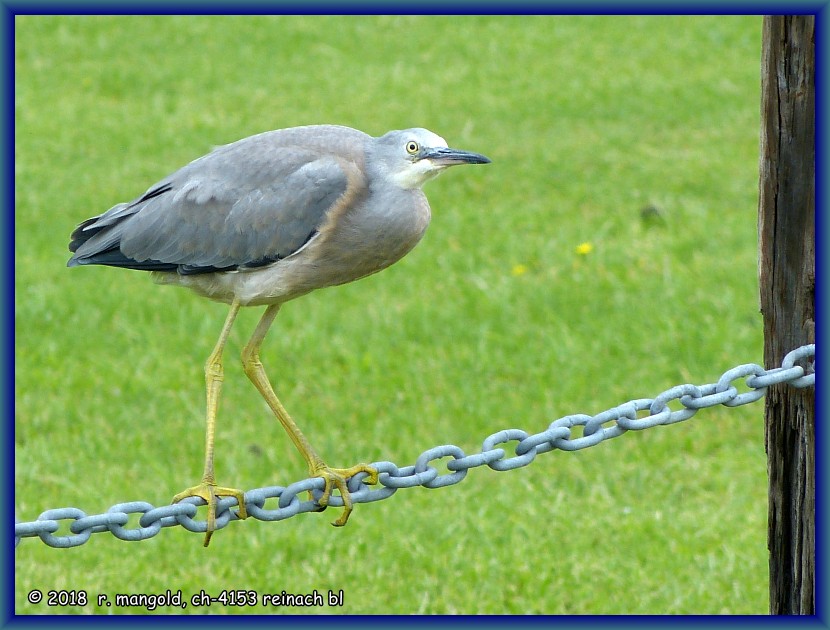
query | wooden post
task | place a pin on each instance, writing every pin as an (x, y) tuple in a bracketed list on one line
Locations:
[(786, 232)]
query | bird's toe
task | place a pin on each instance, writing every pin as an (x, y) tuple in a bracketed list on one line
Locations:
[(209, 492), (337, 478)]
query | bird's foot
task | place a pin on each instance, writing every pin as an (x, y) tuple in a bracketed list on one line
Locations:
[(337, 478), (209, 491)]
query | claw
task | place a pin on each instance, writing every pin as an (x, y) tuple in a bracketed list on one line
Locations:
[(208, 492), (338, 478)]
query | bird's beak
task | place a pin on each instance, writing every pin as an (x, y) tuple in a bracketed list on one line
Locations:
[(443, 156)]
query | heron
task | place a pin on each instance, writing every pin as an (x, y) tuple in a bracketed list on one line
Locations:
[(265, 220)]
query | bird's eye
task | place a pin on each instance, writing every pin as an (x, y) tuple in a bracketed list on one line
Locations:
[(412, 147)]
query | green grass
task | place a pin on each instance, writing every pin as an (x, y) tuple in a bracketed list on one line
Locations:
[(494, 321)]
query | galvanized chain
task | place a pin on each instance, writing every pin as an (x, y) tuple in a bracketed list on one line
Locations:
[(558, 435)]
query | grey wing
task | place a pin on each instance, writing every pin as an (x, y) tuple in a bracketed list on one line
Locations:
[(236, 207)]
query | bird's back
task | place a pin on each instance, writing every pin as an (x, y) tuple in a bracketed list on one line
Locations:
[(244, 204)]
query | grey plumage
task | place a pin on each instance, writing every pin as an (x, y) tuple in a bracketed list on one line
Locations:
[(248, 206), (259, 197)]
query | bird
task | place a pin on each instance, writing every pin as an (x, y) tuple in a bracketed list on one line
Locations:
[(267, 219)]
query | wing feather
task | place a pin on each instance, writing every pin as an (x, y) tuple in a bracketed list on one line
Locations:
[(245, 204)]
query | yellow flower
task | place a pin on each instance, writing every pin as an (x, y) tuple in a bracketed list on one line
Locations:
[(519, 270), (583, 249)]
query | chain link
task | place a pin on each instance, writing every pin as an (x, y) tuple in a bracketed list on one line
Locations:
[(558, 435)]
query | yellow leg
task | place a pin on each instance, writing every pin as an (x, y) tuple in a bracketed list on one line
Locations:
[(334, 477), (207, 489)]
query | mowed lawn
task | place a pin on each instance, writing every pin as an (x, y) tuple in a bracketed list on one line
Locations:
[(607, 253)]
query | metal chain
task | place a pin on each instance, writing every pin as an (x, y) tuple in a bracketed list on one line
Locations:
[(558, 435)]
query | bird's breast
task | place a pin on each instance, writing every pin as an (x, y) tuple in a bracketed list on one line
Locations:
[(363, 240), (378, 234), (370, 237)]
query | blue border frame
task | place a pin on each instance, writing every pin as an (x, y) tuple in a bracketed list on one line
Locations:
[(459, 7), (822, 173), (7, 283)]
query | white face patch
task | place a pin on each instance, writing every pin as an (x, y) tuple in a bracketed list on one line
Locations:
[(417, 173), (428, 139)]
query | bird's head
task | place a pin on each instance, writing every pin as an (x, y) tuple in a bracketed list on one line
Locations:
[(411, 157)]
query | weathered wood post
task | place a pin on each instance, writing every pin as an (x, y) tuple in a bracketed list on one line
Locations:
[(786, 232)]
